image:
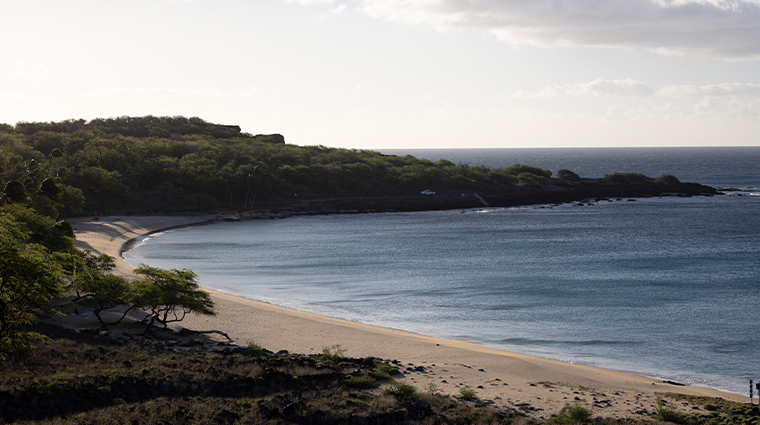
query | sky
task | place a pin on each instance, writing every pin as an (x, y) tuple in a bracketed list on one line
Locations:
[(375, 74)]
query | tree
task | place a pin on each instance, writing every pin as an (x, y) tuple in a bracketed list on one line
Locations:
[(103, 292), (168, 295), (568, 175), (95, 288), (30, 278), (101, 186), (12, 192)]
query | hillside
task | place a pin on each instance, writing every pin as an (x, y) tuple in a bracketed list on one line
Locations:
[(148, 164)]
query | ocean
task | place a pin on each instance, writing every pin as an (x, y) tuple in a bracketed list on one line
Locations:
[(664, 287)]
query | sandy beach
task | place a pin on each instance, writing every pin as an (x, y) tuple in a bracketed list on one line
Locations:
[(536, 386)]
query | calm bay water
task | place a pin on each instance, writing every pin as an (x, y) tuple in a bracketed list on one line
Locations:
[(665, 287)]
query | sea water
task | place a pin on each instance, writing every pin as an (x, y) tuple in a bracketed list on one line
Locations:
[(664, 287)]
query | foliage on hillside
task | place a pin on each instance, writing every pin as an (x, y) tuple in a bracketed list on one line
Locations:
[(38, 260), (159, 162)]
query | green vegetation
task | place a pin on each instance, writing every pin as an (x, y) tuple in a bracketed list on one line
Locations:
[(39, 263), (718, 411), (665, 179), (402, 392), (149, 163), (568, 175), (38, 260), (33, 251), (383, 371), (363, 382), (168, 295), (334, 353), (571, 414), (467, 393), (254, 350)]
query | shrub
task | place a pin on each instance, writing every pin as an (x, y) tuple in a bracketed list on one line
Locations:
[(531, 180), (467, 393), (669, 415), (568, 175), (383, 371), (254, 350), (518, 169), (333, 353), (666, 413), (627, 178), (667, 179), (571, 414), (402, 392), (432, 389)]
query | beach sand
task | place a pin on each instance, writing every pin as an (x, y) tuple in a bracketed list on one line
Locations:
[(537, 387)]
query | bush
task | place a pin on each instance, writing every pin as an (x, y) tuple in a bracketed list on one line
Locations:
[(667, 180), (402, 392), (254, 350), (433, 390), (383, 372), (531, 180), (571, 414), (627, 178), (568, 175), (666, 413), (333, 353), (467, 393), (518, 169)]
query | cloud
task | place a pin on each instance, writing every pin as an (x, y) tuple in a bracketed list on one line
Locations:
[(151, 92), (545, 93), (731, 108), (714, 90), (625, 88), (598, 87), (726, 29)]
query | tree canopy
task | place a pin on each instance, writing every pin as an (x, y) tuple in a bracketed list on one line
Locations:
[(31, 274), (169, 295)]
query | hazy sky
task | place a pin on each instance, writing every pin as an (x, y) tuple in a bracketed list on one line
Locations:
[(397, 73)]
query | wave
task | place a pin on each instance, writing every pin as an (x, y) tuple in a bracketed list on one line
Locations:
[(557, 343)]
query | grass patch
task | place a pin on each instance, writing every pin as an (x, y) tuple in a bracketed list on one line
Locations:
[(362, 382)]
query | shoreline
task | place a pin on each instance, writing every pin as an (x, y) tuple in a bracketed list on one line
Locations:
[(507, 379)]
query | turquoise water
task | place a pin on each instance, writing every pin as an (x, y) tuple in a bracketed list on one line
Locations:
[(665, 287)]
